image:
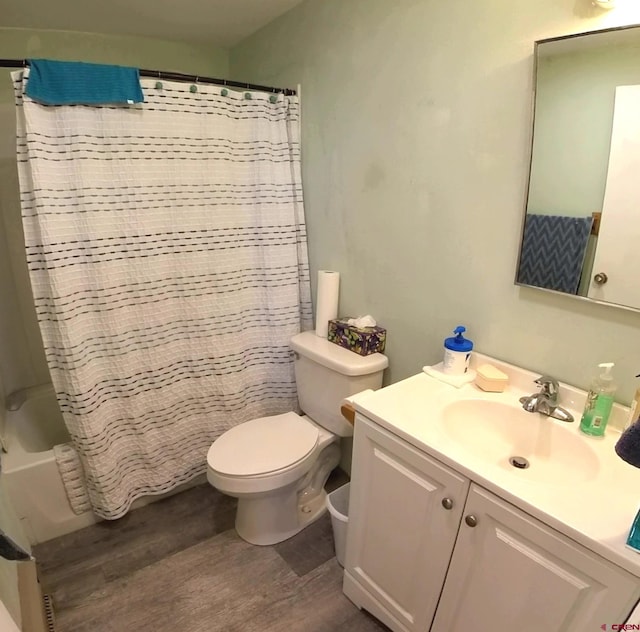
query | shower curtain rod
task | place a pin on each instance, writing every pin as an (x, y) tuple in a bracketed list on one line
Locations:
[(176, 76)]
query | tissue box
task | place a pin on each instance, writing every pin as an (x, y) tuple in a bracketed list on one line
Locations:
[(361, 340)]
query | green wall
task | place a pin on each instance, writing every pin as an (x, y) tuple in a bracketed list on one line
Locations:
[(416, 132), (416, 122), (142, 52), (574, 117)]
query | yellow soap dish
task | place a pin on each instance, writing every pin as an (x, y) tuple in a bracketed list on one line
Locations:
[(489, 378)]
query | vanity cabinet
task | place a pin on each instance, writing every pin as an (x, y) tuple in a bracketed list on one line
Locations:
[(427, 549), (400, 535)]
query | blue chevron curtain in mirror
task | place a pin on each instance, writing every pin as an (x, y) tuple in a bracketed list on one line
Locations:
[(553, 251), (167, 252)]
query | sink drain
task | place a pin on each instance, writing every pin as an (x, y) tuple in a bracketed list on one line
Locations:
[(520, 462)]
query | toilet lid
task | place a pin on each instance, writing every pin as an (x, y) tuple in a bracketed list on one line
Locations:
[(263, 445)]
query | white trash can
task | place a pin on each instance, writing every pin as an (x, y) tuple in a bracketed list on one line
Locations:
[(338, 506)]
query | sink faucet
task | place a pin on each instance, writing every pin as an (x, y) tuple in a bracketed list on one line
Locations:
[(545, 401)]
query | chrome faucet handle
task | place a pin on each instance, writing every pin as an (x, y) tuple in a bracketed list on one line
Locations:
[(549, 386)]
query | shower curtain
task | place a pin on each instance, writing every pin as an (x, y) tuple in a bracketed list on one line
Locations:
[(167, 253)]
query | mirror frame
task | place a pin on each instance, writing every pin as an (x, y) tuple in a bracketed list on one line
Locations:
[(532, 128)]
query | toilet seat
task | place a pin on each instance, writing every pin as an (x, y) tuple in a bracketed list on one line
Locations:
[(263, 446)]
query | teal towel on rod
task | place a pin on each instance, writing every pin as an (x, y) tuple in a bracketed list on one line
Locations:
[(78, 83)]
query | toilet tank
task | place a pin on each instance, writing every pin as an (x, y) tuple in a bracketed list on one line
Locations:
[(327, 373)]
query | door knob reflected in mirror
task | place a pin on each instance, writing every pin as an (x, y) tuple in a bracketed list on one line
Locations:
[(600, 279)]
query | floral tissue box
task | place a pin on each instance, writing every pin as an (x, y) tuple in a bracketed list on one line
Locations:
[(360, 340)]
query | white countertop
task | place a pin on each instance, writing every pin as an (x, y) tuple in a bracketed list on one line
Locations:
[(596, 513)]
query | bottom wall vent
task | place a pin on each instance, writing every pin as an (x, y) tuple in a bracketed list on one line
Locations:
[(48, 613)]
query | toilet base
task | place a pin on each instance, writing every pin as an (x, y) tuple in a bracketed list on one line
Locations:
[(264, 521), (269, 518)]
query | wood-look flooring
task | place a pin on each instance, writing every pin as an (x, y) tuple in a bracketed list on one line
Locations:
[(178, 565)]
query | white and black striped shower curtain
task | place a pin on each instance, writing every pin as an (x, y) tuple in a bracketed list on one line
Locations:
[(167, 251)]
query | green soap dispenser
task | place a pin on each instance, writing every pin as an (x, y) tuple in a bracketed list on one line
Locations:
[(599, 402)]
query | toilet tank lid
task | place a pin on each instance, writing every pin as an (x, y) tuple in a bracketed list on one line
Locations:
[(337, 358)]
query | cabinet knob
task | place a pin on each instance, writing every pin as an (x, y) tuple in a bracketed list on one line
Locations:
[(471, 520), (447, 503)]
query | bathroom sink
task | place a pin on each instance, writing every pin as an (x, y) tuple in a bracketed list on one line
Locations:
[(530, 445)]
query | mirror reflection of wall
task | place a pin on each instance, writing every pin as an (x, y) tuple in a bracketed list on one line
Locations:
[(571, 177)]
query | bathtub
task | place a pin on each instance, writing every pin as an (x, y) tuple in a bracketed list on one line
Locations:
[(30, 473), (29, 469)]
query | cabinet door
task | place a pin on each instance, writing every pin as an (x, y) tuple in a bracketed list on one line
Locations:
[(400, 534), (511, 572)]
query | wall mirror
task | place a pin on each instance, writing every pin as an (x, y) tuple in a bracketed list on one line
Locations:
[(581, 231)]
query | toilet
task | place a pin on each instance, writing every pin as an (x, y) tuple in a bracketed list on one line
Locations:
[(277, 466)]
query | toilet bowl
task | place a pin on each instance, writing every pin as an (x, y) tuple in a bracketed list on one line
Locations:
[(277, 466)]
